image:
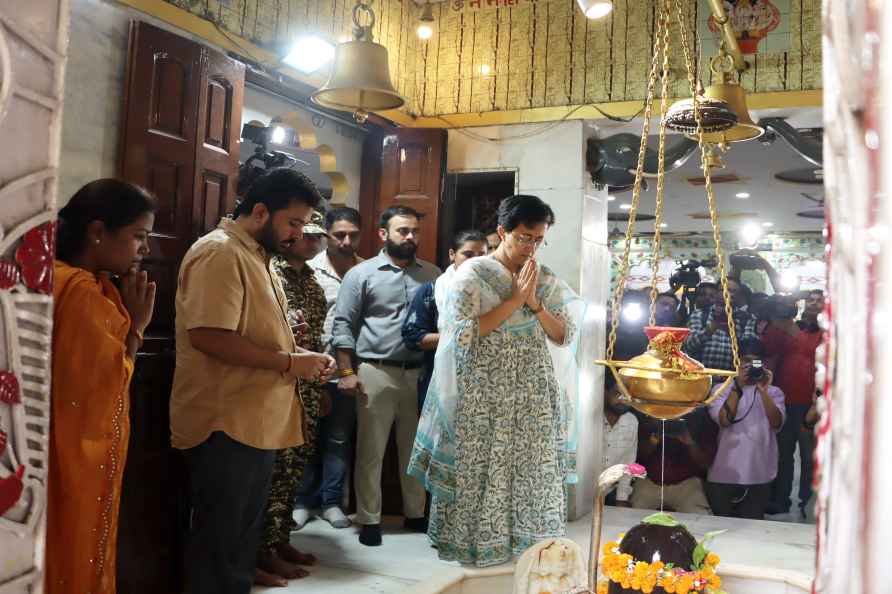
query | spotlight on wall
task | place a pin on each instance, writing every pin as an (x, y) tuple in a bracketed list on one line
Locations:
[(425, 28), (595, 9), (309, 54)]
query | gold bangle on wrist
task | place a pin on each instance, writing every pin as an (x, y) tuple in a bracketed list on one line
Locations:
[(346, 373)]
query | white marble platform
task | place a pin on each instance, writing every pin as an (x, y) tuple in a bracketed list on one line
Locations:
[(405, 559)]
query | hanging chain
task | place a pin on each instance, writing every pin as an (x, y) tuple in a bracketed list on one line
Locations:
[(661, 172), (618, 291), (710, 194)]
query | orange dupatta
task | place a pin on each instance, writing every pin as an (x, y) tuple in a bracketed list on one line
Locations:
[(89, 432)]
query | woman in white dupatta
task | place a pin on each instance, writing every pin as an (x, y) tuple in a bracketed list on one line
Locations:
[(495, 441)]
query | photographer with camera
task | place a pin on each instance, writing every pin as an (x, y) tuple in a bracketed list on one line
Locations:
[(793, 344), (749, 413), (709, 340)]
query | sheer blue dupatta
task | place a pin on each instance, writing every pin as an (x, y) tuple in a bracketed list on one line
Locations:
[(564, 303), (433, 455)]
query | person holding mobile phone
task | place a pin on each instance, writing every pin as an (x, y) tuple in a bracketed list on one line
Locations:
[(750, 412)]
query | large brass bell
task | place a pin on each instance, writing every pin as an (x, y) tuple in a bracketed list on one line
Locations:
[(732, 95), (360, 79)]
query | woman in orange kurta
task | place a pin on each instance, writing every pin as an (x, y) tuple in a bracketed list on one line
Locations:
[(103, 233)]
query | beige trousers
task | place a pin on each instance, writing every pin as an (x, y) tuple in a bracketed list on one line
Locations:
[(392, 398), (687, 496)]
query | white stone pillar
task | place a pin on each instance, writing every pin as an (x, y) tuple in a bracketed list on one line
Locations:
[(33, 44)]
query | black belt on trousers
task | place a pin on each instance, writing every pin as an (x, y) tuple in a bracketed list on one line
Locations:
[(394, 363)]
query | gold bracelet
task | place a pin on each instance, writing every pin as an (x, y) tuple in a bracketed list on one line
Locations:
[(346, 372)]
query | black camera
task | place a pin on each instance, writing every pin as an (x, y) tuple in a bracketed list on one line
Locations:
[(686, 275), (756, 371)]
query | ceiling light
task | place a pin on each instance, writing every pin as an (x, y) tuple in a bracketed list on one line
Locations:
[(626, 206), (611, 198), (742, 195), (663, 225), (750, 234), (485, 69), (768, 224), (425, 28), (278, 135), (595, 9), (309, 54)]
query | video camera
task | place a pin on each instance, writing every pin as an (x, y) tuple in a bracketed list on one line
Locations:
[(687, 277), (261, 161)]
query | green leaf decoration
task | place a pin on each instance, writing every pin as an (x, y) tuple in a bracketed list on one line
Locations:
[(701, 551), (661, 519), (699, 555)]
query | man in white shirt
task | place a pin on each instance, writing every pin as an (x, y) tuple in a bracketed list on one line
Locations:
[(620, 439), (322, 489)]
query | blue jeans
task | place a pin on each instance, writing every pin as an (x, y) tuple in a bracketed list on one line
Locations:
[(324, 475)]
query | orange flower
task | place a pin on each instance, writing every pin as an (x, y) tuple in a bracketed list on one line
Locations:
[(712, 559), (603, 587)]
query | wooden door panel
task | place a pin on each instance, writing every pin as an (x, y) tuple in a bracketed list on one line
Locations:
[(170, 111), (411, 174), (216, 160), (161, 111)]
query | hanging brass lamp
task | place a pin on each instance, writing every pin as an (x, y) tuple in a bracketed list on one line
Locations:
[(360, 76), (664, 382), (734, 96)]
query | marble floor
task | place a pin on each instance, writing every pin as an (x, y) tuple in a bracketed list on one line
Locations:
[(347, 567)]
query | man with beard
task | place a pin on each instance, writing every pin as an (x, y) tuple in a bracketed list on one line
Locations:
[(322, 489), (375, 366), (233, 403), (620, 439)]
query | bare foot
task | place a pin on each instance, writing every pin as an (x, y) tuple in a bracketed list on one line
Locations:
[(273, 564), (269, 580), (288, 553)]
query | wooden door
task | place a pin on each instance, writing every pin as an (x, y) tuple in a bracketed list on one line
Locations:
[(219, 120), (182, 114), (405, 167)]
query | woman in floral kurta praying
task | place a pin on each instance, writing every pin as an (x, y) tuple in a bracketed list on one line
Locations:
[(97, 329), (493, 444)]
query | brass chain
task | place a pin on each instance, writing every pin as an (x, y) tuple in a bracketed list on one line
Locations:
[(710, 194), (619, 290), (661, 171)]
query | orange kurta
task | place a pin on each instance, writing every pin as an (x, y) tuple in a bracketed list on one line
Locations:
[(89, 432)]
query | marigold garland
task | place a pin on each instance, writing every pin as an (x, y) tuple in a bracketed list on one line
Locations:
[(624, 570)]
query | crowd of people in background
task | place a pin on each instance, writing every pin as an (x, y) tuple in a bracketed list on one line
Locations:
[(736, 457)]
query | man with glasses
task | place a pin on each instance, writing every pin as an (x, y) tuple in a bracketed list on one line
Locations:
[(322, 489), (709, 339), (376, 367)]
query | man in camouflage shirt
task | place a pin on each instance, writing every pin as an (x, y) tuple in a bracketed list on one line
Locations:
[(278, 560)]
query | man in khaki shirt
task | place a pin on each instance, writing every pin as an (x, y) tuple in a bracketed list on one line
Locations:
[(233, 403)]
